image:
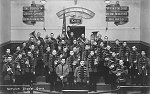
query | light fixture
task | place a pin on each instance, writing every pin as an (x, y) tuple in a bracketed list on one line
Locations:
[(43, 2), (107, 1)]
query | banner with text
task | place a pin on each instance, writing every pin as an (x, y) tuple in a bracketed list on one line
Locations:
[(117, 14), (33, 14)]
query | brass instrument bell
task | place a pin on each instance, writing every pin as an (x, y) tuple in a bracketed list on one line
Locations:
[(94, 35)]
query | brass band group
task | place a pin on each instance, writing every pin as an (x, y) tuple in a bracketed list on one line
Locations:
[(74, 63)]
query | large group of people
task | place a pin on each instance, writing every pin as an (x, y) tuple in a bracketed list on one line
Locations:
[(69, 62)]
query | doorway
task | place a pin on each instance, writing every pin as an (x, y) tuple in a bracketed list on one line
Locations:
[(77, 30)]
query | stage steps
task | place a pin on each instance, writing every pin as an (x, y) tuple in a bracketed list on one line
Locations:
[(41, 87), (40, 79), (46, 86)]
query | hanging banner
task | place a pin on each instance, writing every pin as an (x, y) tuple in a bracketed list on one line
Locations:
[(33, 14), (117, 14)]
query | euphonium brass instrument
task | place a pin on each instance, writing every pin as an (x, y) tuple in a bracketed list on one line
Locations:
[(34, 35)]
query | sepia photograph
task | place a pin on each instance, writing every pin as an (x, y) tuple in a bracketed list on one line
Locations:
[(74, 46)]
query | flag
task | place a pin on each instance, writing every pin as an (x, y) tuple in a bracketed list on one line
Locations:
[(64, 24)]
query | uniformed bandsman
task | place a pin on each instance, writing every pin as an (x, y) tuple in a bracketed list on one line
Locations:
[(134, 59), (86, 52), (106, 56), (24, 47), (29, 76), (72, 63), (19, 66), (113, 62), (59, 50), (125, 53), (8, 74), (53, 63), (81, 76), (7, 54), (100, 58), (117, 47), (121, 72), (71, 38), (40, 38), (99, 39), (74, 44), (53, 42), (46, 63), (31, 42), (92, 67), (17, 52), (39, 60), (143, 68)]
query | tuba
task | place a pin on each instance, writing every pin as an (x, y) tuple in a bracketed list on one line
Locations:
[(34, 35)]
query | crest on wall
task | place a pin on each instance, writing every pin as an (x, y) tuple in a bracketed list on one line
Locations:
[(117, 14), (33, 14)]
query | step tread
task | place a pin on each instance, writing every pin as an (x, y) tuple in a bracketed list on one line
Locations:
[(41, 83)]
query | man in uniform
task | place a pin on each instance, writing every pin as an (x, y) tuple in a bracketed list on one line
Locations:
[(53, 42), (92, 66), (99, 40), (86, 52), (8, 74), (41, 39), (74, 44), (71, 61), (39, 60), (29, 76), (53, 62), (7, 54), (62, 71), (125, 53), (121, 72), (81, 76), (46, 62), (143, 68), (117, 47), (106, 56), (113, 62), (19, 66), (71, 38), (134, 59), (31, 41)]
